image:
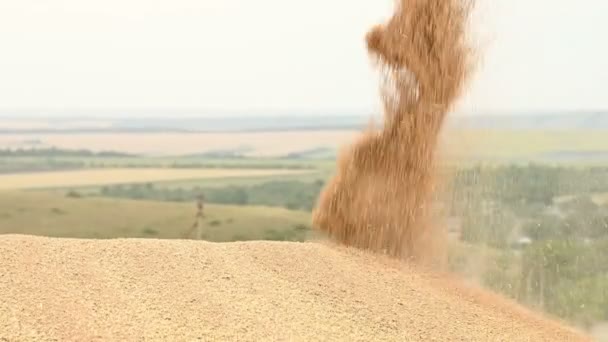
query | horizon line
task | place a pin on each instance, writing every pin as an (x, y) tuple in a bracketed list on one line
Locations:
[(206, 113)]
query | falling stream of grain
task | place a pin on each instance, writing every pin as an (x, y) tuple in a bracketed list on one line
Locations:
[(380, 198)]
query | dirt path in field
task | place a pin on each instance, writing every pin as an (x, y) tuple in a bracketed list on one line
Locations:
[(153, 290)]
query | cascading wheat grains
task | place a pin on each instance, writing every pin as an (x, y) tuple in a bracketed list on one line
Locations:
[(381, 197)]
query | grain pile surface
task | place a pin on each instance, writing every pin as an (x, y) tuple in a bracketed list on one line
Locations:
[(153, 290)]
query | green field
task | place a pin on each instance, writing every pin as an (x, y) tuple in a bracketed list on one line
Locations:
[(45, 214)]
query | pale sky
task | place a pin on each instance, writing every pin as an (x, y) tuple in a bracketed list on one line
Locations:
[(281, 54)]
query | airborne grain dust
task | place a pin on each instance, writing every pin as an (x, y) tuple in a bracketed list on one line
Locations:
[(380, 198)]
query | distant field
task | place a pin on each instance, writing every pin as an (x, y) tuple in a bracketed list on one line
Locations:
[(266, 147), (254, 144), (205, 162), (550, 145), (44, 214), (143, 161), (98, 177)]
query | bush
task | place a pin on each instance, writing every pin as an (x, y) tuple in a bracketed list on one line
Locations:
[(73, 194), (58, 211), (301, 227), (239, 237), (150, 231), (273, 235), (215, 223)]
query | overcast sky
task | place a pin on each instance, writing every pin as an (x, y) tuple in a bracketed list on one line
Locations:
[(281, 54)]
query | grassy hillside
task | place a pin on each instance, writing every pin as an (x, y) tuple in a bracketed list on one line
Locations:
[(58, 216)]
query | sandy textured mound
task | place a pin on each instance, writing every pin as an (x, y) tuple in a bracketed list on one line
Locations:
[(87, 290)]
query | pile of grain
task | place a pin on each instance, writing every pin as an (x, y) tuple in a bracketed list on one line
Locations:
[(154, 290)]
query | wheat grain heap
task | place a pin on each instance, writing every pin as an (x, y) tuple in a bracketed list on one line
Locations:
[(170, 290), (380, 198)]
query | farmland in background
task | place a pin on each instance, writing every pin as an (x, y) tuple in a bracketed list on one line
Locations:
[(527, 211)]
